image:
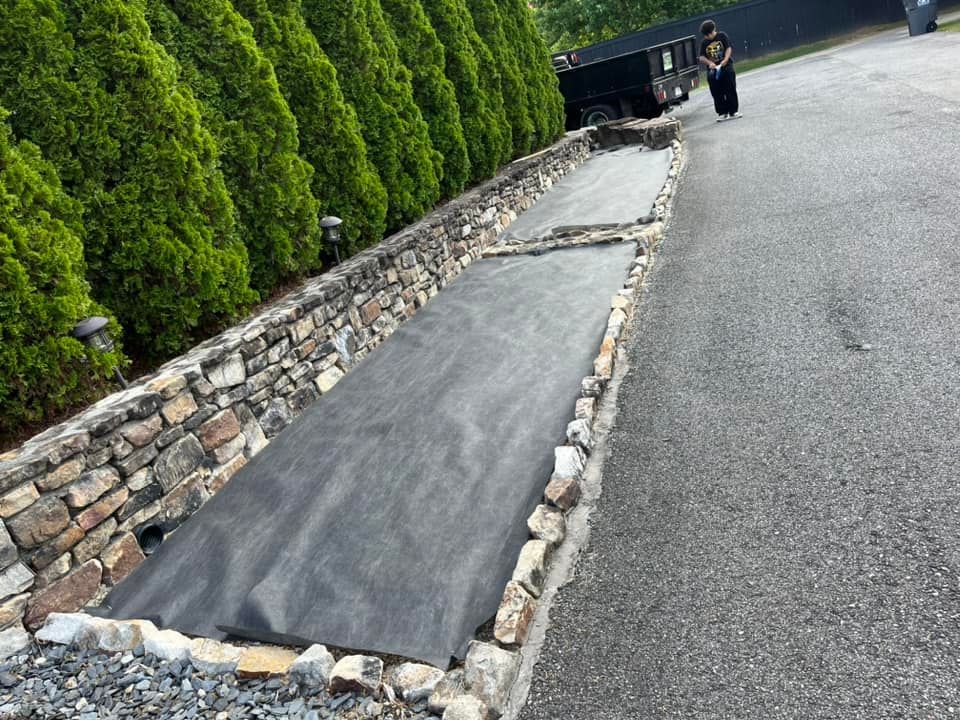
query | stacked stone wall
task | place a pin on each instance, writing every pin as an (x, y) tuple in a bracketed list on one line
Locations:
[(73, 497)]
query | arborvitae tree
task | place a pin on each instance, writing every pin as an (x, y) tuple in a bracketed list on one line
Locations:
[(43, 293), (377, 84), (484, 123), (254, 128), (486, 18), (546, 102), (345, 181), (421, 52), (100, 97)]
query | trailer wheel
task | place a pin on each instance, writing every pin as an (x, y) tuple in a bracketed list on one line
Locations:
[(598, 115), (932, 26)]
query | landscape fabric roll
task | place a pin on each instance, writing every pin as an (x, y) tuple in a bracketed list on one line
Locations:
[(389, 515)]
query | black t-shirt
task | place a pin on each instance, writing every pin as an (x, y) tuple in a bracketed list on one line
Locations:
[(714, 49)]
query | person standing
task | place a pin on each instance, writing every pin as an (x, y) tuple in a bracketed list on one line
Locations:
[(716, 53)]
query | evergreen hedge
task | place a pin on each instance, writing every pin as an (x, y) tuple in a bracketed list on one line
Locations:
[(533, 56), (100, 97), (255, 130), (43, 293), (486, 19), (345, 181), (421, 51), (377, 84), (484, 122)]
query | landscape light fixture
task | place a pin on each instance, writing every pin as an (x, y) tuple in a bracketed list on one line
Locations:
[(331, 233), (93, 333)]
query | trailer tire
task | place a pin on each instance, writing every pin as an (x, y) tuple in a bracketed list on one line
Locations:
[(932, 26), (598, 115)]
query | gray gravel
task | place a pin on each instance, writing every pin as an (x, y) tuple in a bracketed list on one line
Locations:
[(56, 682), (779, 530)]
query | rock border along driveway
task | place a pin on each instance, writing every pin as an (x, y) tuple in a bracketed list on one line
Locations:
[(481, 688)]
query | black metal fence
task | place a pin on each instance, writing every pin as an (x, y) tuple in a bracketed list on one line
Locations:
[(760, 27)]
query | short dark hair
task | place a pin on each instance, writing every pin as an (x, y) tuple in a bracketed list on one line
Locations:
[(707, 27)]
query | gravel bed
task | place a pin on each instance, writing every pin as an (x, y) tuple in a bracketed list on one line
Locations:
[(59, 682)]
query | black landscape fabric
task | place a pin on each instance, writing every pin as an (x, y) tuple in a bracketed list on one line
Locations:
[(388, 517)]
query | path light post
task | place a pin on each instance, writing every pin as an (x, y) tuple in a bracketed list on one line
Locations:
[(93, 333), (331, 233)]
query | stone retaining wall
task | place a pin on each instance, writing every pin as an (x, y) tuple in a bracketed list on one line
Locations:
[(72, 498)]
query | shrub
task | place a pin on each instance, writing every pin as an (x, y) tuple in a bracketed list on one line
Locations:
[(483, 128), (255, 131), (486, 19), (421, 51), (345, 181), (545, 100), (377, 84), (88, 84), (43, 293)]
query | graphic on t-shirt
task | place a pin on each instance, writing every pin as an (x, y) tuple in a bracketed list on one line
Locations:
[(715, 51)]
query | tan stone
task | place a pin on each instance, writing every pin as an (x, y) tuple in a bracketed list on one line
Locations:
[(212, 657), (43, 520), (514, 616), (327, 379), (56, 547), (603, 365), (142, 432), (546, 523), (120, 558), (562, 492), (223, 474), (168, 387), (230, 449), (60, 476), (18, 500), (95, 541), (264, 662), (68, 594), (12, 610), (91, 486), (586, 408), (185, 499), (531, 567), (54, 571), (96, 514), (179, 409), (219, 429), (370, 311)]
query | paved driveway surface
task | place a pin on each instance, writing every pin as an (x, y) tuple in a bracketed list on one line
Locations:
[(779, 530)]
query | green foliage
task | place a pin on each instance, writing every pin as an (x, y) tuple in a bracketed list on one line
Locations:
[(254, 128), (421, 51), (345, 181), (575, 23), (545, 100), (101, 99), (377, 84), (490, 27), (43, 293), (484, 123)]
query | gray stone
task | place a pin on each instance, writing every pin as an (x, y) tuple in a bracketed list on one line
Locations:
[(547, 523), (514, 616), (8, 551), (178, 461), (592, 386), (345, 342), (65, 473), (63, 446), (95, 541), (168, 645), (568, 461), (141, 432), (15, 471), (140, 479), (119, 636), (228, 373), (276, 417), (490, 673), (313, 667), (136, 460), (54, 571), (13, 640), (531, 568), (18, 500), (65, 628), (580, 434), (356, 673), (12, 609), (229, 450), (169, 435), (40, 522), (451, 686), (140, 403), (15, 579), (466, 707), (415, 682)]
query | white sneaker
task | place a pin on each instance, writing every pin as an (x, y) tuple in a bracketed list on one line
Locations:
[(733, 116)]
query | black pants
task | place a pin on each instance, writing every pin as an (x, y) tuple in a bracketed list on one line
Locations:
[(724, 91)]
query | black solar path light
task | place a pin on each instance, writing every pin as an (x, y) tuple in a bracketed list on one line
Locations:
[(331, 233), (93, 333)]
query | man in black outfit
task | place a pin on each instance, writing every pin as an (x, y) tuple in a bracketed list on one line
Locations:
[(717, 54)]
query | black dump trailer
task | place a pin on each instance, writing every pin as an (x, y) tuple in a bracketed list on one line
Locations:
[(642, 83)]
